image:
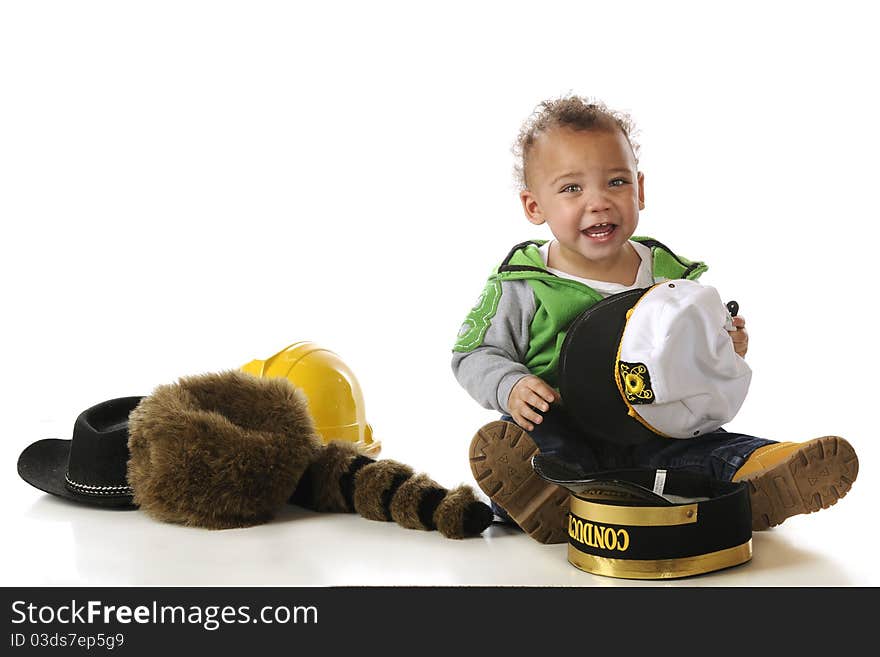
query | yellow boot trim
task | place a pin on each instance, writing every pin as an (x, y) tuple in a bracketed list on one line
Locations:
[(766, 457)]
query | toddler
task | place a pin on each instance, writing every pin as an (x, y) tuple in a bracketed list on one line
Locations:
[(577, 167)]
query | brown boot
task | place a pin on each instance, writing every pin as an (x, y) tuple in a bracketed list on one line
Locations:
[(500, 455), (786, 479)]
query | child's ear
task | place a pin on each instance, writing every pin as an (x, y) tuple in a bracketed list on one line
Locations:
[(641, 179), (531, 207)]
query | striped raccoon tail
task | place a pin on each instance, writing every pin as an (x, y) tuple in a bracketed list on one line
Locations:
[(341, 479)]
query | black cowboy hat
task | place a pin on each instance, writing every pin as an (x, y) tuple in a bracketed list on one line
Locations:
[(91, 467)]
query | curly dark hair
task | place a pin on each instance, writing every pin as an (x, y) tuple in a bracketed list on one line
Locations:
[(571, 111)]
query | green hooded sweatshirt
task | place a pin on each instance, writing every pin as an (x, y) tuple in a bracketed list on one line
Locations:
[(519, 323)]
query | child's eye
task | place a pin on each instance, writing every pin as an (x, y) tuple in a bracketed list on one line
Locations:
[(571, 188), (618, 182)]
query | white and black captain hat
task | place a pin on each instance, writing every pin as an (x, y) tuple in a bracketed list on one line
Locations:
[(652, 362)]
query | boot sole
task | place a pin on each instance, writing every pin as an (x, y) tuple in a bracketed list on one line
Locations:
[(813, 478), (500, 457)]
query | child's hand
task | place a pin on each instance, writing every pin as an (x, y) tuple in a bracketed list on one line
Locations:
[(740, 337), (530, 397)]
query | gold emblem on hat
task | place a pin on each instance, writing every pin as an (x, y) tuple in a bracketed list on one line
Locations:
[(636, 383)]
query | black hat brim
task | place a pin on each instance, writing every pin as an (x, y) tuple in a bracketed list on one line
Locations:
[(586, 372), (43, 465), (619, 486)]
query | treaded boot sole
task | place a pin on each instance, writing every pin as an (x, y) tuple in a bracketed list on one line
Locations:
[(500, 457), (812, 478)]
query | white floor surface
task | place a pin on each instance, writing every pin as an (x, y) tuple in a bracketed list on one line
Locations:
[(51, 542)]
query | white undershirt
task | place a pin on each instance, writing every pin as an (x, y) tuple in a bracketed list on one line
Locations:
[(644, 278)]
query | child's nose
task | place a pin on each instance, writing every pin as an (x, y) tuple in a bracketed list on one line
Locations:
[(597, 201)]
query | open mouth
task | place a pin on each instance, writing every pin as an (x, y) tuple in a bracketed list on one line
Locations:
[(600, 231)]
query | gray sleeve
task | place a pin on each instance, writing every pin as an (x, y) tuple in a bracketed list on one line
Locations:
[(489, 371)]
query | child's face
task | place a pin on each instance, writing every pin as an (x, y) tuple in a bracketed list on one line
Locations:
[(585, 186)]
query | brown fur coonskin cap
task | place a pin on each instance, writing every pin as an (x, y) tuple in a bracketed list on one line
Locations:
[(219, 450)]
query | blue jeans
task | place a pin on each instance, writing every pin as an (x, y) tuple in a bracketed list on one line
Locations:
[(719, 454)]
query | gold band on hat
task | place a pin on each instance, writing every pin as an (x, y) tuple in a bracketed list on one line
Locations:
[(634, 516), (660, 568)]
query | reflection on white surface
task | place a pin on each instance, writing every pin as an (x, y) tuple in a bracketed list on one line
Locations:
[(62, 543), (52, 542)]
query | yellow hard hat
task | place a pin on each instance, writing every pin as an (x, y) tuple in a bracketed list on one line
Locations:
[(334, 395)]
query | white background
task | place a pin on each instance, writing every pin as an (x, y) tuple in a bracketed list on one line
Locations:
[(186, 186)]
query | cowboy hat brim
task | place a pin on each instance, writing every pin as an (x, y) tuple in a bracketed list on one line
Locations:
[(43, 465), (586, 372)]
